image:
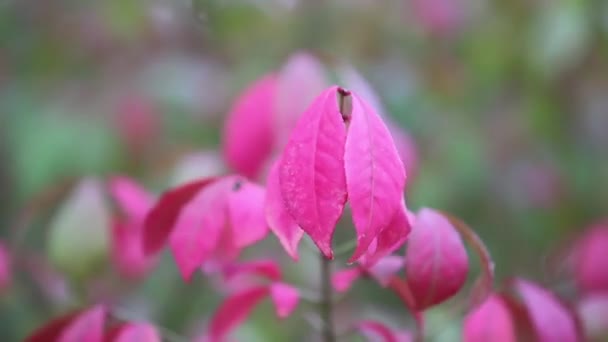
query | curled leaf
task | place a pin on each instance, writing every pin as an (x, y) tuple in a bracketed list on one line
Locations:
[(436, 261)]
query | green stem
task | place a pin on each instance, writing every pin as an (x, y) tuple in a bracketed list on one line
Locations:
[(326, 308)]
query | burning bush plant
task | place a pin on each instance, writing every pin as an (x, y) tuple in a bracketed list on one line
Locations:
[(322, 170)]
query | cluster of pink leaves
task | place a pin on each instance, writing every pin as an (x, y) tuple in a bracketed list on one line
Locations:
[(91, 325), (339, 149)]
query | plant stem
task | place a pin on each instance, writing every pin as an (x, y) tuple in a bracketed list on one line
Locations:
[(326, 307)]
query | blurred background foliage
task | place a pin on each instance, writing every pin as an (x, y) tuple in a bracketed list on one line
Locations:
[(506, 100)]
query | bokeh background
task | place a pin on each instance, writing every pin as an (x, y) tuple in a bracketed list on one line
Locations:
[(507, 102)]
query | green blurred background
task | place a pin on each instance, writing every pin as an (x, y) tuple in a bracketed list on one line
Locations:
[(507, 102)]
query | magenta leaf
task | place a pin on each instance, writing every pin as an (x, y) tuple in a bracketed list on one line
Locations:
[(344, 279), (311, 170), (235, 311), (551, 320), (268, 269), (6, 274), (389, 239), (591, 251), (490, 321), (160, 221), (376, 331), (300, 80), (133, 200), (246, 213), (375, 176), (280, 222), (248, 134), (285, 298), (135, 332), (127, 252), (436, 261), (199, 228)]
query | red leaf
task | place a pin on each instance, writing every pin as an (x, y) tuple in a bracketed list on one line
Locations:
[(376, 331), (285, 298), (311, 170), (265, 268), (160, 221), (80, 326), (375, 176), (234, 311), (343, 280), (133, 200), (248, 133), (246, 213), (135, 332), (436, 261)]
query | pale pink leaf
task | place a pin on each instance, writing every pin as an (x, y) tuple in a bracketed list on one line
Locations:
[(375, 176), (298, 82), (593, 312), (385, 269), (281, 223), (343, 280), (133, 200), (246, 213), (375, 331), (199, 228), (389, 240), (490, 321), (436, 260), (285, 298), (136, 332), (551, 320), (161, 219), (235, 311), (248, 134), (311, 170)]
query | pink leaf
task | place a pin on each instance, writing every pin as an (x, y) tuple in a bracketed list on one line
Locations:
[(285, 298), (266, 268), (491, 321), (343, 280), (311, 170), (80, 326), (376, 331), (199, 228), (246, 212), (133, 200), (127, 252), (389, 239), (281, 223), (550, 319), (135, 332), (5, 268), (436, 261), (248, 133), (375, 176), (160, 221), (385, 269), (234, 311), (299, 81), (591, 273)]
